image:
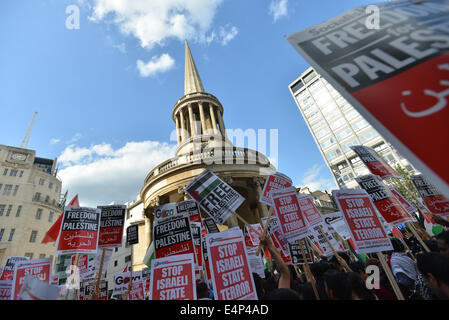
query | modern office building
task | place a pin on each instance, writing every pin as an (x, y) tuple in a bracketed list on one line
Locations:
[(336, 126), (29, 203)]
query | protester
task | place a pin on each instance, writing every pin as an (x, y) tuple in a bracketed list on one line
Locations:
[(403, 267), (284, 278), (358, 287), (435, 270), (202, 291), (337, 285), (443, 243)]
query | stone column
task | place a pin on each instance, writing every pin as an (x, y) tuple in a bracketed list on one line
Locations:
[(202, 118), (192, 121), (212, 115), (222, 127), (183, 125), (178, 137), (263, 208)]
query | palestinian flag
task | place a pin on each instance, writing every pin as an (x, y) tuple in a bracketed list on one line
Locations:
[(149, 255), (203, 185)]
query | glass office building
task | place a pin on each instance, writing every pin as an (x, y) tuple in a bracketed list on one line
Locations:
[(336, 126)]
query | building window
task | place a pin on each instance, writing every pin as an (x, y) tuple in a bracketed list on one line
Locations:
[(128, 258), (38, 214), (7, 190), (42, 256), (33, 236), (47, 199), (13, 173), (20, 173), (2, 209), (2, 231), (56, 189), (19, 209), (11, 234), (29, 255), (115, 263), (5, 172), (41, 181), (50, 217), (37, 196), (8, 212), (50, 185), (16, 188), (1, 185)]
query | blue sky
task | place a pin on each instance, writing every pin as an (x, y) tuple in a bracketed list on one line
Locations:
[(109, 122)]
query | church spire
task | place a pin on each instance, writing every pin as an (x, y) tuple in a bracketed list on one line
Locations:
[(192, 81)]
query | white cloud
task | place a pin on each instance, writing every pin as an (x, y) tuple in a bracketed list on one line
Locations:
[(54, 140), (227, 33), (314, 181), (153, 22), (75, 138), (155, 65), (278, 8), (101, 174)]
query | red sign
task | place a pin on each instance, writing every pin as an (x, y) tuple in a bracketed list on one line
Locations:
[(5, 289), (397, 80), (291, 220), (410, 209), (111, 226), (137, 291), (8, 270), (276, 181), (309, 210), (360, 215), (231, 275), (389, 207), (173, 278), (254, 237), (433, 199), (83, 262), (40, 269), (79, 231), (374, 162)]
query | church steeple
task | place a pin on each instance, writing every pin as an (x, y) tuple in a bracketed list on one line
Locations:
[(192, 80)]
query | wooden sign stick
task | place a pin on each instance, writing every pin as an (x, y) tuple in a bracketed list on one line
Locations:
[(314, 248), (94, 293), (309, 274), (130, 281), (332, 248), (265, 230), (390, 276), (413, 230), (406, 246), (77, 260), (248, 224)]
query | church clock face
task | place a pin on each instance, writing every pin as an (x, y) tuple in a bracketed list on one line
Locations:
[(18, 156)]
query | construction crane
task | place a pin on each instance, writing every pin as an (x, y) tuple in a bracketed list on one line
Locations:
[(27, 136)]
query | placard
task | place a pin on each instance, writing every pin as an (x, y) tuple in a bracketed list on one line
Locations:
[(275, 181), (410, 209), (374, 162), (191, 208), (79, 231), (132, 235), (173, 278), (292, 222), (433, 199), (8, 270), (229, 266), (296, 255), (210, 225), (40, 269), (309, 210), (164, 211), (359, 213), (111, 226), (214, 196)]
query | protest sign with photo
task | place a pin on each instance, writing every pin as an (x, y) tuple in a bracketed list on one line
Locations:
[(191, 208), (173, 278), (121, 281), (309, 210), (164, 211), (296, 253), (8, 270), (274, 182), (293, 225), (389, 207), (214, 196), (335, 221), (433, 199), (359, 213), (173, 236), (317, 237), (79, 231), (404, 58), (111, 226), (137, 291), (5, 289), (132, 235), (40, 269), (229, 265)]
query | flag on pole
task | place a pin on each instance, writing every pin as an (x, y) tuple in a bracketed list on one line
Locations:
[(149, 255), (53, 233), (126, 268)]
